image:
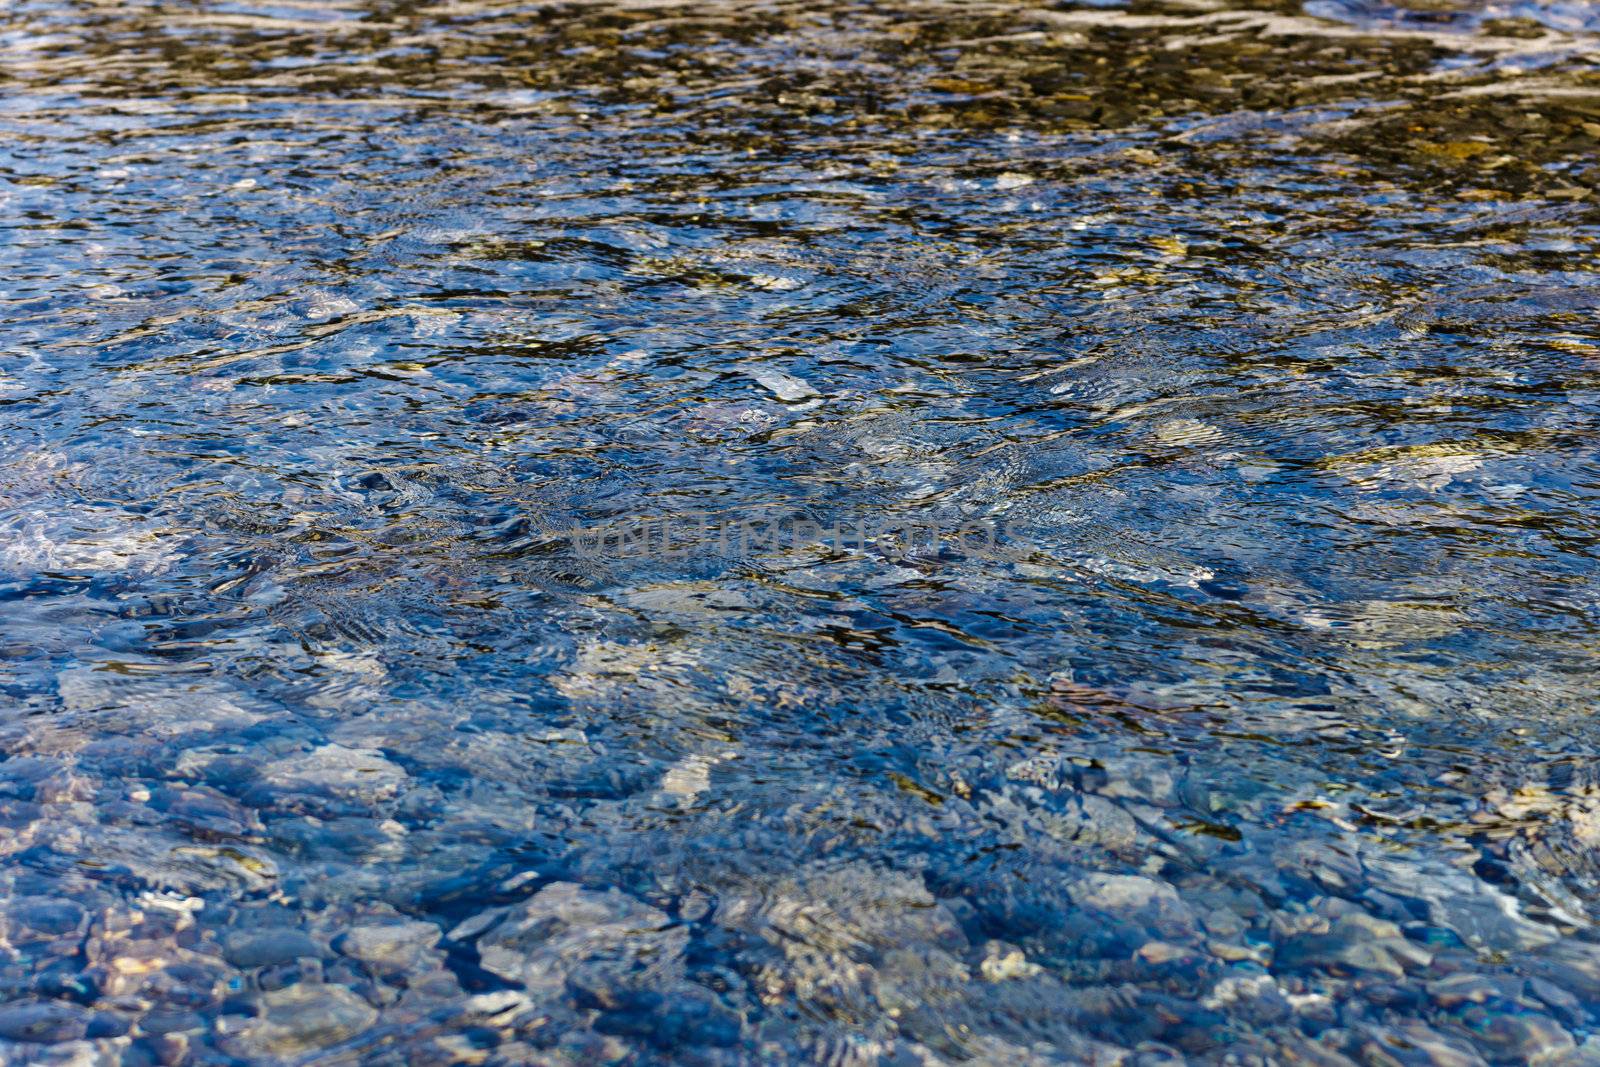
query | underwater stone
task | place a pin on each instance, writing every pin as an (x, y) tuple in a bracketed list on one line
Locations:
[(392, 944), (25, 919), (607, 942), (1339, 952), (43, 1021), (1529, 1039), (266, 948), (304, 1018), (358, 774)]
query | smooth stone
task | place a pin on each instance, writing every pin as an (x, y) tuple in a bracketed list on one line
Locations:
[(395, 943), (1337, 953), (41, 918), (1359, 924), (1300, 1052), (1528, 1039), (268, 948), (1415, 1043), (303, 1018), (44, 1022), (355, 774), (1570, 965), (1463, 988), (475, 925), (783, 385), (1121, 893), (172, 1022), (616, 941), (1566, 1006)]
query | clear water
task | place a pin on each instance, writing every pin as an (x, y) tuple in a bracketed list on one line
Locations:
[(1262, 342)]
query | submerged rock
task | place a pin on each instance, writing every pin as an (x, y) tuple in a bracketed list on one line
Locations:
[(355, 774), (265, 948), (388, 944), (1136, 899), (305, 1018), (603, 945), (1530, 1039), (1337, 953), (784, 386), (43, 1021), (40, 919)]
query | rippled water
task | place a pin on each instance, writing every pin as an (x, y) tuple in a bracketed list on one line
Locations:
[(1263, 342)]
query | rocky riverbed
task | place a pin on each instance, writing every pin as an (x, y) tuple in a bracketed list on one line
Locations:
[(843, 533)]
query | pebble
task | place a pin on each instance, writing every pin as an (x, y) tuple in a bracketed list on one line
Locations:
[(40, 919), (1529, 1039), (267, 948), (1338, 953), (1566, 1006), (304, 1018), (784, 386), (1464, 988), (1124, 893), (42, 1021), (1003, 962), (355, 774), (392, 944), (605, 941), (1416, 1043)]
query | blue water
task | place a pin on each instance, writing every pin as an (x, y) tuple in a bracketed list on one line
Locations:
[(396, 400)]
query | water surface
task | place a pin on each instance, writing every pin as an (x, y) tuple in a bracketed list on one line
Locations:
[(1263, 340)]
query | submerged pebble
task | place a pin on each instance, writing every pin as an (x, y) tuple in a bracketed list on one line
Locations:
[(42, 1021), (301, 1019), (604, 946)]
